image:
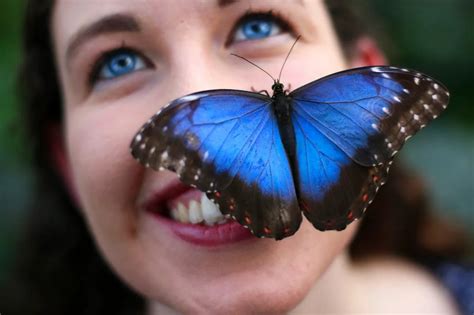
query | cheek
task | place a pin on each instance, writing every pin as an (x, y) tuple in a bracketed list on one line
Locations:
[(104, 173)]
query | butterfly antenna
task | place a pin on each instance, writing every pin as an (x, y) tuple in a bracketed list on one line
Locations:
[(254, 65), (281, 70)]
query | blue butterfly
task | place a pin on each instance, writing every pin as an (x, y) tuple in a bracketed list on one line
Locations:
[(323, 149)]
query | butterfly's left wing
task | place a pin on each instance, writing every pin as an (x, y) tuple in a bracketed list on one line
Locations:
[(226, 143), (348, 127)]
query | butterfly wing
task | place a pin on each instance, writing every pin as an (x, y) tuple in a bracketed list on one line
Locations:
[(226, 143), (370, 112), (332, 189), (348, 126)]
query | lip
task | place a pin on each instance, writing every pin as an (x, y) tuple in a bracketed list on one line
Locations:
[(196, 234)]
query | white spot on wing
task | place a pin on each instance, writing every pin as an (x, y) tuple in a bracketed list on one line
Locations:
[(190, 98)]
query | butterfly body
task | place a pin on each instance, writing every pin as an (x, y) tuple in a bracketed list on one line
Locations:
[(281, 104), (323, 149)]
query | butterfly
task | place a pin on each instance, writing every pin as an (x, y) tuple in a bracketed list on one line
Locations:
[(323, 149)]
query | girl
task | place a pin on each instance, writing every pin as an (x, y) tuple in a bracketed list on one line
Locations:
[(94, 72)]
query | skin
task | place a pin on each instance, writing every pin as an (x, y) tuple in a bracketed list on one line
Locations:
[(185, 45)]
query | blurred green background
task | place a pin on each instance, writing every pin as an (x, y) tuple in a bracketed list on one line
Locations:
[(433, 36)]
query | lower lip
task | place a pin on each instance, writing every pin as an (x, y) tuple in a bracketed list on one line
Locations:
[(210, 236)]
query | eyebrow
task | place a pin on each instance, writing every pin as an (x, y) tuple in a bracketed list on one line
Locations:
[(113, 23), (224, 3)]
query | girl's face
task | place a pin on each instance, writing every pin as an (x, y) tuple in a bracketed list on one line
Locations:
[(119, 62)]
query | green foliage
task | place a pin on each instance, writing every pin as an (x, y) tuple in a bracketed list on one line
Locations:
[(435, 37), (9, 59)]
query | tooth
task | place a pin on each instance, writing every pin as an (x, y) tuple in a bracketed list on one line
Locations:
[(183, 215), (210, 212), (222, 221), (195, 213), (174, 214)]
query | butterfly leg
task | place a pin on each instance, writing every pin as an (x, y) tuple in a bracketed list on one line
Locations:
[(259, 92), (288, 89)]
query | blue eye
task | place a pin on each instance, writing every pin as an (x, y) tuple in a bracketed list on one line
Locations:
[(119, 63), (259, 26)]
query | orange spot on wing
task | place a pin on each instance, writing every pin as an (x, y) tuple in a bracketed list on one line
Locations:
[(247, 219), (350, 215), (365, 197)]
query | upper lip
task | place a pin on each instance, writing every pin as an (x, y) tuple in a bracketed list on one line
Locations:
[(155, 199)]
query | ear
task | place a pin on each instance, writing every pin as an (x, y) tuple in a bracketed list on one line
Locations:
[(367, 53), (58, 157)]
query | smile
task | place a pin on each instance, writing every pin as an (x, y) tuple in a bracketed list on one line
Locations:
[(191, 216)]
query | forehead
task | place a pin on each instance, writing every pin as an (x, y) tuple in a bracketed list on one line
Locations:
[(175, 17), (70, 15)]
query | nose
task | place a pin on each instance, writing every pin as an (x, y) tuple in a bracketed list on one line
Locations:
[(195, 65)]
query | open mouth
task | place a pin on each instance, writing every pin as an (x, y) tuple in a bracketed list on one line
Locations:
[(185, 204), (192, 217)]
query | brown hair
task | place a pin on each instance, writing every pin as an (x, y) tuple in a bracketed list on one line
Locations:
[(58, 269)]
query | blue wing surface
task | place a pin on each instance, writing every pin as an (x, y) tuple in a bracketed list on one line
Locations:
[(226, 143), (370, 112), (332, 189)]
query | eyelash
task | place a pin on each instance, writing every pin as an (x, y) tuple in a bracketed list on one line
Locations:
[(270, 16), (100, 63)]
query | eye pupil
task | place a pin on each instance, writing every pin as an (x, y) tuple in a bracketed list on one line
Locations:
[(257, 29), (122, 63)]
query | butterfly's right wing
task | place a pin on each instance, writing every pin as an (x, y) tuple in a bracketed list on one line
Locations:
[(226, 143), (348, 126), (333, 190)]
